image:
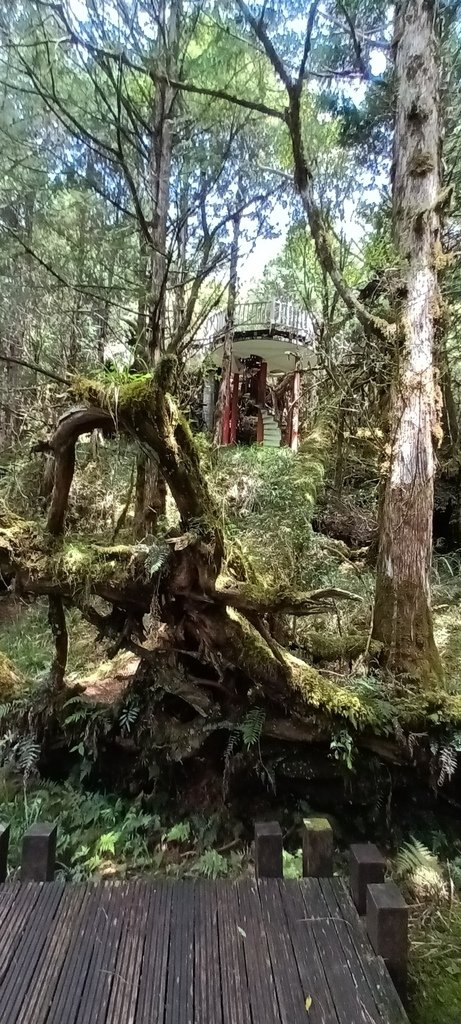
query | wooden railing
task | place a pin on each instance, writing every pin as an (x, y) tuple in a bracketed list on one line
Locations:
[(266, 315)]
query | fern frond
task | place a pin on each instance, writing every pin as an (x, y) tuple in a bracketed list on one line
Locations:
[(232, 743), (448, 761), (414, 855), (252, 726)]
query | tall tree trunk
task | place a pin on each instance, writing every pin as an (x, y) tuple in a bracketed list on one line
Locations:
[(150, 501), (160, 175), (223, 400), (403, 620)]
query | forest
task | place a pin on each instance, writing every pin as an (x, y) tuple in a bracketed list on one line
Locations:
[(230, 420)]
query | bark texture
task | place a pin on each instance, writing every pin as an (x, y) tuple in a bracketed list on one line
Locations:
[(403, 621), (220, 435)]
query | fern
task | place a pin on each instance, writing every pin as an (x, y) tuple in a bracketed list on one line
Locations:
[(211, 864), (252, 726), (229, 752), (178, 833), (28, 753), (414, 855), (129, 716), (448, 761), (107, 842)]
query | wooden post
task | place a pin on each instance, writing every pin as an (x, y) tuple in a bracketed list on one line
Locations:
[(317, 848), (367, 865), (209, 388), (387, 926), (268, 850), (226, 422), (234, 408), (4, 841), (261, 400), (294, 424), (39, 853)]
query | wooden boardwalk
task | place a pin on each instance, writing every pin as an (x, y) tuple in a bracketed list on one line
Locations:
[(185, 952)]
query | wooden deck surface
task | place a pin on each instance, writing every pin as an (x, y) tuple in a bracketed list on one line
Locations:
[(148, 952)]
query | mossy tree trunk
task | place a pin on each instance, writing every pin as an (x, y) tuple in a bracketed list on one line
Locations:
[(402, 620)]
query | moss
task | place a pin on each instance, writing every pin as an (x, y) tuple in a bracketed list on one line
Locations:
[(421, 163), (252, 653), (11, 682), (328, 647), (115, 393), (317, 824), (332, 700), (74, 562), (81, 564)]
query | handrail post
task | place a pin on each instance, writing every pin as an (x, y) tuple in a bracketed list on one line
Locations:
[(39, 853), (366, 866), (268, 850), (387, 926), (317, 848), (4, 843)]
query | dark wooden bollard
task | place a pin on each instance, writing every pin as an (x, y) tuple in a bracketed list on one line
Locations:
[(39, 853), (367, 866), (317, 848), (4, 841), (387, 926), (268, 850)]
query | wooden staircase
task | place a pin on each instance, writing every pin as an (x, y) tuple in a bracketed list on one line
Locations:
[(272, 435)]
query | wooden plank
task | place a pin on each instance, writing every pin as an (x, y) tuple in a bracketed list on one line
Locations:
[(261, 987), (127, 970), (352, 957), (19, 979), (54, 956), (179, 1004), (290, 993), (310, 967), (8, 895), (71, 981), (348, 989), (15, 923), (231, 935), (207, 978), (100, 975), (152, 984), (390, 1006)]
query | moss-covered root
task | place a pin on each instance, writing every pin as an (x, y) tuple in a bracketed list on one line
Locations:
[(325, 647)]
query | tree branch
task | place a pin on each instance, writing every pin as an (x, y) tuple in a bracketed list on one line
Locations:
[(307, 41), (35, 367), (305, 183)]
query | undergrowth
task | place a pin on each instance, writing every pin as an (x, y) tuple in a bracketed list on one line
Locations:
[(25, 638), (102, 835)]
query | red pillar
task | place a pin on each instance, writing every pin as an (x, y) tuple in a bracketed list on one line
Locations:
[(294, 438), (261, 400), (234, 408)]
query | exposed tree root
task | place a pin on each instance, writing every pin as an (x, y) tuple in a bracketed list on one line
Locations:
[(203, 628)]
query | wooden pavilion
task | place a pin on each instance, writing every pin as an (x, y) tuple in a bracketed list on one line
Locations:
[(273, 343)]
